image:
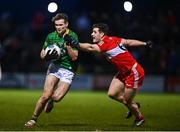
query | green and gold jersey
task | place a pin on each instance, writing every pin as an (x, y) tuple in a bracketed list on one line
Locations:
[(65, 60)]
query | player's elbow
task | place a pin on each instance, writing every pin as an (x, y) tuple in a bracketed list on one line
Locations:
[(42, 54), (128, 43)]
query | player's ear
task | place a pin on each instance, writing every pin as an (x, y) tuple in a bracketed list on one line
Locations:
[(66, 24), (102, 34)]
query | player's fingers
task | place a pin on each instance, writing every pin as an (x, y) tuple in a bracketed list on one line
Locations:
[(54, 51), (48, 52)]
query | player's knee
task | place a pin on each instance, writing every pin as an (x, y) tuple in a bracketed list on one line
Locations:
[(121, 99), (116, 96), (57, 97), (111, 95)]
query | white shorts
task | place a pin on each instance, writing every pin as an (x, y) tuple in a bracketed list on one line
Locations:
[(61, 73)]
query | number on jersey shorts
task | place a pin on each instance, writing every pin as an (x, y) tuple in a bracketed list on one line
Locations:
[(61, 73)]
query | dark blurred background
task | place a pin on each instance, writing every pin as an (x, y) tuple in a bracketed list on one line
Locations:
[(24, 26)]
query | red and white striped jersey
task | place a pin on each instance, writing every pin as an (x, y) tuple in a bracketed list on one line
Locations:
[(117, 53)]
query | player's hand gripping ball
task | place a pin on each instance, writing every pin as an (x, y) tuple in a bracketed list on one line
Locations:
[(53, 47), (53, 52)]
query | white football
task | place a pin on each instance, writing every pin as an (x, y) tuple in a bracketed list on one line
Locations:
[(52, 47)]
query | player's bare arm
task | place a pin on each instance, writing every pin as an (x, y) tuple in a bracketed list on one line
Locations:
[(134, 42), (89, 47), (72, 53)]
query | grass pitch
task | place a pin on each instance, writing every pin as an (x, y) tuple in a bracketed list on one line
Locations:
[(88, 111)]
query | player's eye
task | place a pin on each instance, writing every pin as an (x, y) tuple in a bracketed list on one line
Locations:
[(58, 24)]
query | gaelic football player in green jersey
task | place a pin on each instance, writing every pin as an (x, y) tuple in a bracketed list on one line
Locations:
[(61, 70)]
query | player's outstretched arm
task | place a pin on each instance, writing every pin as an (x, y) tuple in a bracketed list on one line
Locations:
[(89, 47), (134, 42)]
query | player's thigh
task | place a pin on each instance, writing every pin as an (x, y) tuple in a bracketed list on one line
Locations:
[(50, 83), (129, 94), (66, 78), (116, 87)]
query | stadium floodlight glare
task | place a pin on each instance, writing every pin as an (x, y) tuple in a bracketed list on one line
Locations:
[(52, 7), (128, 6)]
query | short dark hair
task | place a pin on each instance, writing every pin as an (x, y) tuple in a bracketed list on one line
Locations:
[(102, 27), (60, 16)]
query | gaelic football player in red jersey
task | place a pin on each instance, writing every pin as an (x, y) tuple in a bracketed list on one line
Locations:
[(129, 78)]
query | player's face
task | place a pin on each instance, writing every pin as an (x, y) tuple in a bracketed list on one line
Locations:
[(96, 35), (60, 25)]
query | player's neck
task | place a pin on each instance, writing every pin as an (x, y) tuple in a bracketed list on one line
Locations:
[(63, 33)]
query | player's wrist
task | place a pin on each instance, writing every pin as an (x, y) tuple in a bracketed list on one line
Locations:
[(145, 43)]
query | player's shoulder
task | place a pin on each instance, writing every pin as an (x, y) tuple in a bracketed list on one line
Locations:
[(110, 38), (72, 33), (114, 37)]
